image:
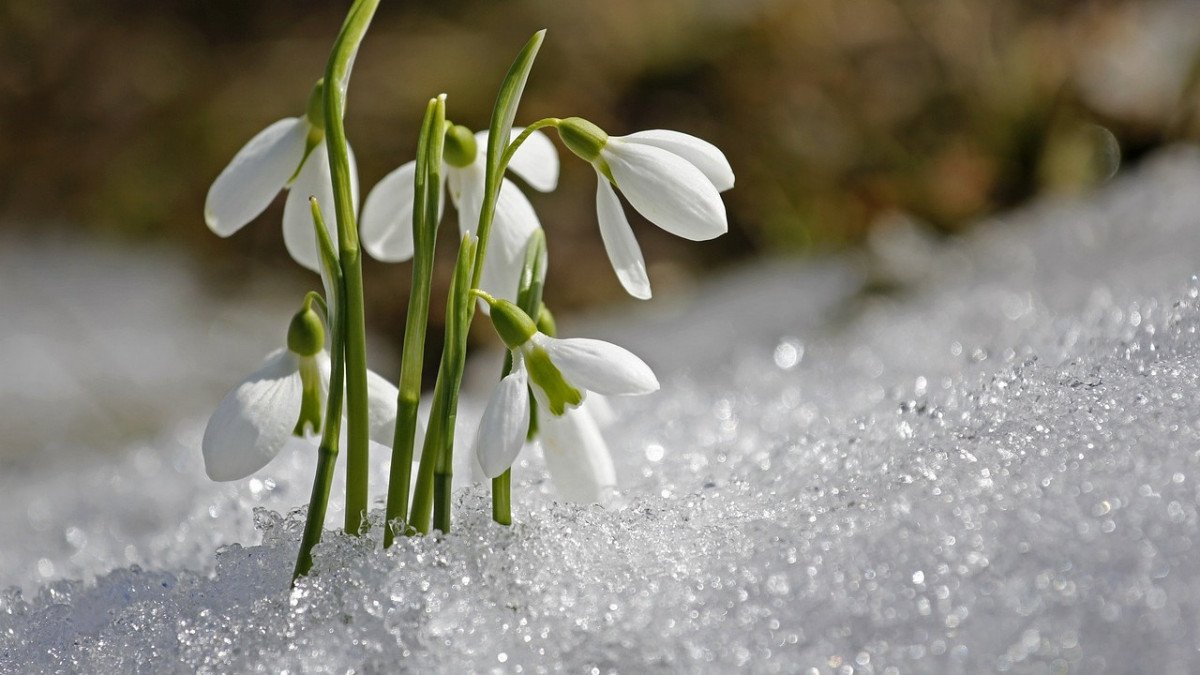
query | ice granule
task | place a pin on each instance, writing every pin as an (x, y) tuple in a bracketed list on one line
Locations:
[(995, 470)]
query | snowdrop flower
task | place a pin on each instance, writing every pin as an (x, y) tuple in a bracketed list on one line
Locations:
[(560, 373), (284, 397), (673, 179), (386, 229), (290, 154)]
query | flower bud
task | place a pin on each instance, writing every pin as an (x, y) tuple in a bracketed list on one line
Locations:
[(583, 138), (513, 325), (306, 334), (461, 148)]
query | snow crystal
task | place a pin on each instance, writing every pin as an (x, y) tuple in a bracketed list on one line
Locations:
[(993, 467)]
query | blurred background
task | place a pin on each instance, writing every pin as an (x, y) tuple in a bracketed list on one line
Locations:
[(843, 119)]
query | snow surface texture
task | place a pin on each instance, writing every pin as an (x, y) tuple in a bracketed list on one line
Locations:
[(994, 469)]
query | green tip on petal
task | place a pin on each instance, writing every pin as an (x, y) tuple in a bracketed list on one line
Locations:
[(548, 378), (461, 148), (306, 333), (583, 138)]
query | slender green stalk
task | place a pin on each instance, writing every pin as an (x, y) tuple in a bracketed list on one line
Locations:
[(328, 451), (526, 133), (463, 303), (337, 78), (454, 350), (436, 471), (420, 514), (427, 206), (529, 299), (502, 498)]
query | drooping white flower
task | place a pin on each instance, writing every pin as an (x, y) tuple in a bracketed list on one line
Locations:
[(386, 229), (255, 419), (577, 456), (673, 179), (559, 371), (289, 154)]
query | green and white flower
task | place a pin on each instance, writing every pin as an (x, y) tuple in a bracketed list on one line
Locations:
[(560, 372), (284, 397), (289, 154), (673, 179)]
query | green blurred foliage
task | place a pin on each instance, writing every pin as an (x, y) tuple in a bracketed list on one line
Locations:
[(835, 114)]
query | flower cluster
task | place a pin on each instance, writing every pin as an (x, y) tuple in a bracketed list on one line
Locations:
[(672, 179)]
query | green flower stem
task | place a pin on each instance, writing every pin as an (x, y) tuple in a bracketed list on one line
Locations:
[(328, 451), (436, 471), (463, 305), (526, 133), (422, 501), (427, 196), (502, 498), (337, 78), (439, 449), (529, 299), (314, 298)]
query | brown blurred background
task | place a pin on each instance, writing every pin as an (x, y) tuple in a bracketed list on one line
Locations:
[(837, 115)]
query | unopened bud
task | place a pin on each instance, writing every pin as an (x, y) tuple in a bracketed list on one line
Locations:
[(583, 138), (306, 334), (461, 148), (512, 324)]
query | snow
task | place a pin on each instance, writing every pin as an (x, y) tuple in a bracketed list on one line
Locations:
[(992, 466)]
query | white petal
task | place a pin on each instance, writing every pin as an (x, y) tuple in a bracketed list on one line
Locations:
[(576, 456), (504, 424), (466, 190), (599, 366), (381, 408), (600, 409), (387, 218), (298, 232), (255, 175), (704, 155), (326, 369), (313, 181), (514, 224), (536, 161), (667, 189), (623, 250), (254, 420)]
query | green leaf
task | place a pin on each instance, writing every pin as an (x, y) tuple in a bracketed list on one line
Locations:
[(460, 293), (435, 148), (506, 104), (421, 176), (331, 271)]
